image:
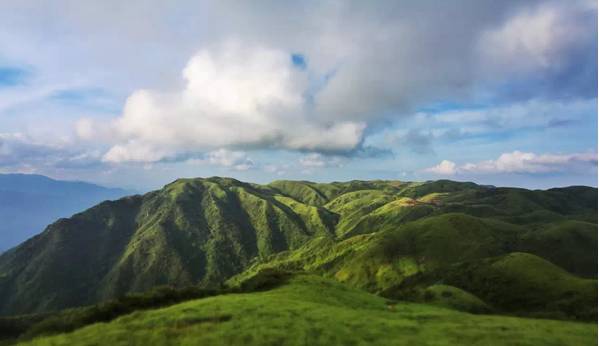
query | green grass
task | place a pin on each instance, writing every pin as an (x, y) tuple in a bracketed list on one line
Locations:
[(455, 249), (453, 298), (570, 244), (26, 327), (528, 285), (311, 310), (394, 252)]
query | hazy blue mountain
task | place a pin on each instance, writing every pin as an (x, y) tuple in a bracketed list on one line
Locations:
[(29, 202)]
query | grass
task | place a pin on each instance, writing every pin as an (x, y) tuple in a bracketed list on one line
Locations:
[(529, 285), (310, 310), (570, 244), (26, 327), (453, 298), (460, 250)]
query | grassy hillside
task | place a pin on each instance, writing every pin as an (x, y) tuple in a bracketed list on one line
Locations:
[(381, 236), (455, 249), (192, 231), (517, 283), (313, 311)]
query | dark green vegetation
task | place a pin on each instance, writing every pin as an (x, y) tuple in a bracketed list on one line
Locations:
[(26, 327), (310, 310), (459, 245)]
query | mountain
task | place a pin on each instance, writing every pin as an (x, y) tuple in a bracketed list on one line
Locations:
[(29, 202), (402, 240)]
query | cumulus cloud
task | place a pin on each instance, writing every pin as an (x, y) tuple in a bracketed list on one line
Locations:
[(388, 58), (362, 65), (235, 95), (445, 167), (520, 162)]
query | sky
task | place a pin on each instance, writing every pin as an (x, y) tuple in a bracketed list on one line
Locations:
[(138, 93)]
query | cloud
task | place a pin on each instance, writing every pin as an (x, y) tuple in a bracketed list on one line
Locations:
[(417, 141), (550, 43), (397, 56), (430, 130), (532, 113), (445, 167), (342, 68), (236, 160), (316, 160), (21, 153), (533, 38), (520, 162), (235, 95), (325, 81)]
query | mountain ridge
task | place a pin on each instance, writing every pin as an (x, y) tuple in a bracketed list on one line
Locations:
[(205, 231)]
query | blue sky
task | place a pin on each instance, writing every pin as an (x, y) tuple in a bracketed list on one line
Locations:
[(500, 93)]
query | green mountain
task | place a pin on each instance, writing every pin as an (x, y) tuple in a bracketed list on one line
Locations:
[(440, 242)]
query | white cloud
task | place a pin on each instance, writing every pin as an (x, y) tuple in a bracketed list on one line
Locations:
[(445, 167), (235, 95), (520, 162), (236, 160), (398, 56), (368, 63), (316, 160), (21, 153)]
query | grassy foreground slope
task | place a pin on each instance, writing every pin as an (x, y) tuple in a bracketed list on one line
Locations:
[(310, 310)]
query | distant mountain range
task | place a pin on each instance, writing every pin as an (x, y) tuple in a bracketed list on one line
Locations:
[(28, 203), (500, 250)]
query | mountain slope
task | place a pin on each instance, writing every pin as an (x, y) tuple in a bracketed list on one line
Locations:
[(192, 231), (30, 202), (313, 311), (374, 235)]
